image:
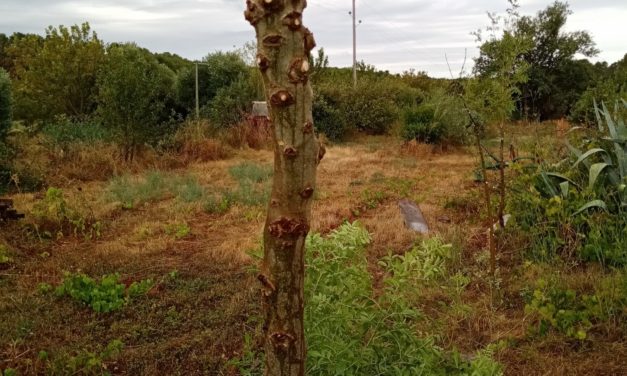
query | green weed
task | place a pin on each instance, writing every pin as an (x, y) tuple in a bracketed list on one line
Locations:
[(561, 309), (372, 199), (574, 314), (54, 217), (87, 362), (5, 258), (178, 230), (426, 263), (215, 204), (103, 296)]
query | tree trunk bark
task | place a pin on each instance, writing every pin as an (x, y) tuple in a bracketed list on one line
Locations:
[(284, 47)]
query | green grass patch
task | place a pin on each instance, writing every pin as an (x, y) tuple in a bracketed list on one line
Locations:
[(252, 189)]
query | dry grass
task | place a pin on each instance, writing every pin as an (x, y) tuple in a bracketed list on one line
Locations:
[(193, 324), (249, 135)]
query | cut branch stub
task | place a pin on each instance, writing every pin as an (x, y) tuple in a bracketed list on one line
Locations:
[(290, 152), (273, 40), (273, 5), (268, 286), (308, 127), (322, 151), (281, 340), (307, 193), (263, 62), (282, 98), (253, 12), (286, 228), (310, 42), (294, 21), (299, 71)]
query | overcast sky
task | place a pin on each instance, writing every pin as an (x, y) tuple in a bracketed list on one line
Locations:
[(395, 34)]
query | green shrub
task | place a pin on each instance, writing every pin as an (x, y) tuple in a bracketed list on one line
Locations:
[(350, 331), (369, 110), (606, 92), (57, 74), (231, 103), (328, 118), (103, 296), (6, 155), (5, 104), (439, 119), (64, 131), (428, 261), (553, 223), (5, 124), (419, 125), (135, 94), (218, 70)]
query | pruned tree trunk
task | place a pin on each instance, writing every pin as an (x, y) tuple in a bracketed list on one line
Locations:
[(284, 47)]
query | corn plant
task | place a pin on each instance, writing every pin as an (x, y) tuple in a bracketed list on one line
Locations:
[(581, 210), (610, 166)]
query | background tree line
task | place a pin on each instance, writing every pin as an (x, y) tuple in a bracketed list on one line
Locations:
[(137, 97)]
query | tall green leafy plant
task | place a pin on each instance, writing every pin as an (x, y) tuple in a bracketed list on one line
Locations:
[(580, 209), (491, 95), (604, 165)]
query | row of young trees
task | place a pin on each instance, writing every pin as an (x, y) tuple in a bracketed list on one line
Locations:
[(138, 95)]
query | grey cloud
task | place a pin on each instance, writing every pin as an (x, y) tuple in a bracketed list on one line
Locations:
[(395, 35)]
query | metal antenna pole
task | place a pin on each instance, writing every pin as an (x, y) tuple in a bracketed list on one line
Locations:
[(197, 96), (354, 47)]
